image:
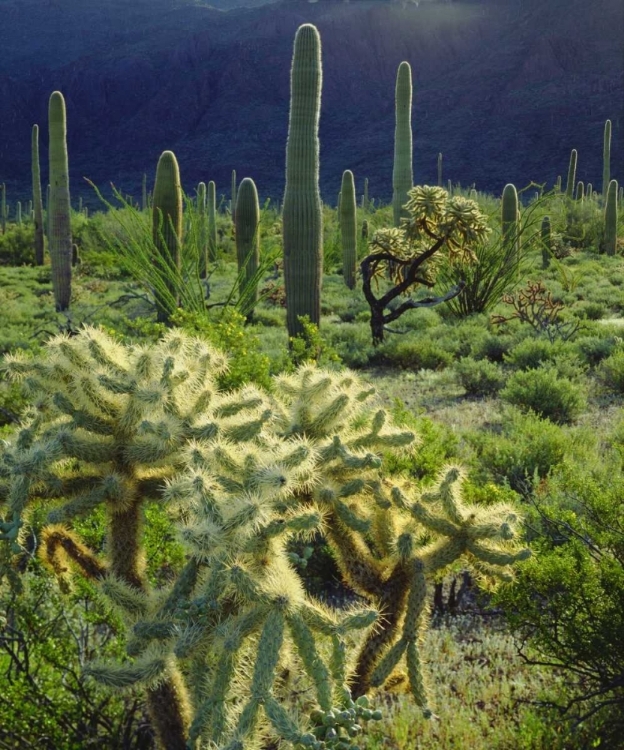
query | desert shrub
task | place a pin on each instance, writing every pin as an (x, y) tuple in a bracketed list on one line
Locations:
[(611, 371), (492, 347), (533, 352), (567, 604), (351, 341), (416, 354), (594, 349), (479, 377), (526, 446), (17, 245), (588, 310), (546, 393)]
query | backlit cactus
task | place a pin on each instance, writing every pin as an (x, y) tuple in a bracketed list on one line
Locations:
[(348, 228), (211, 200), (439, 170), (302, 209), (606, 158), (248, 244), (202, 229), (233, 198), (365, 204), (402, 174), (509, 217), (580, 191), (610, 219), (59, 208), (546, 239), (167, 233), (571, 174)]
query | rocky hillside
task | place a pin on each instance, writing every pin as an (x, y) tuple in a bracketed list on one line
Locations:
[(503, 88)]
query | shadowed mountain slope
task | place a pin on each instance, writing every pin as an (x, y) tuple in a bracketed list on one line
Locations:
[(503, 89)]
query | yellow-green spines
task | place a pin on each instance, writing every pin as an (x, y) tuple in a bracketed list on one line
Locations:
[(606, 158), (59, 239), (610, 220), (509, 215), (302, 209), (247, 222), (211, 201), (571, 174), (167, 230), (402, 173), (348, 228), (546, 242)]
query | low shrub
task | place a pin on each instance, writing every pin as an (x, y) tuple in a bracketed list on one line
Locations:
[(546, 393), (611, 371), (416, 354), (480, 377)]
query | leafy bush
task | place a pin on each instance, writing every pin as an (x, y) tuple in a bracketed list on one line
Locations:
[(480, 377), (492, 347), (17, 245), (526, 445), (416, 354), (594, 349), (546, 393), (567, 604), (611, 371)]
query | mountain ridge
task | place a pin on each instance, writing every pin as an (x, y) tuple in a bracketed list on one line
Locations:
[(500, 89)]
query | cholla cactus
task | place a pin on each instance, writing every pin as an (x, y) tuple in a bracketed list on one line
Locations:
[(242, 473)]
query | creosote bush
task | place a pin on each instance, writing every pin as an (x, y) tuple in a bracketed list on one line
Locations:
[(545, 392), (116, 428)]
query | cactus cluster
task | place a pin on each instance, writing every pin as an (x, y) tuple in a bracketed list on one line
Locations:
[(118, 427)]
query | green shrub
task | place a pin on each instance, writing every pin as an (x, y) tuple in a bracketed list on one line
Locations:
[(526, 445), (492, 347), (611, 371), (416, 354), (533, 352), (479, 377), (594, 349), (17, 245), (546, 393)]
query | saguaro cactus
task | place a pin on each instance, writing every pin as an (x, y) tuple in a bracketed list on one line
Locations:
[(606, 158), (248, 243), (167, 233), (580, 191), (610, 222), (365, 206), (546, 242), (402, 174), (509, 217), (202, 230), (59, 226), (348, 228), (302, 209), (233, 203), (18, 212), (3, 208), (439, 170), (571, 174), (211, 201)]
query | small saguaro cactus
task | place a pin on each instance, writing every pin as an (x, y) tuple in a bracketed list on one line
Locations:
[(302, 212), (589, 191), (546, 242), (402, 174), (365, 205), (248, 244), (348, 228), (18, 212), (365, 229), (571, 174), (606, 158), (211, 201), (440, 170), (580, 191), (509, 216), (233, 199), (558, 184), (202, 230), (59, 207), (610, 219), (167, 233)]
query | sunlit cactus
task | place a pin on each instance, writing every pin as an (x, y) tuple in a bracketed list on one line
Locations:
[(247, 224), (37, 200), (402, 173), (571, 174), (302, 209), (611, 219), (211, 200), (509, 216), (606, 158), (348, 228), (59, 208), (167, 232)]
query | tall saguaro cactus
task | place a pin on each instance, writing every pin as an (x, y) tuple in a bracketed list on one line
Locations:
[(59, 226), (509, 217), (571, 174), (167, 232), (610, 225), (440, 170), (402, 174), (233, 195), (202, 229), (302, 209), (211, 201), (248, 243), (606, 158), (348, 228)]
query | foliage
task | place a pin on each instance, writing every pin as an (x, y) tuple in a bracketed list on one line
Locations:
[(543, 391), (17, 245), (611, 371), (480, 377)]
